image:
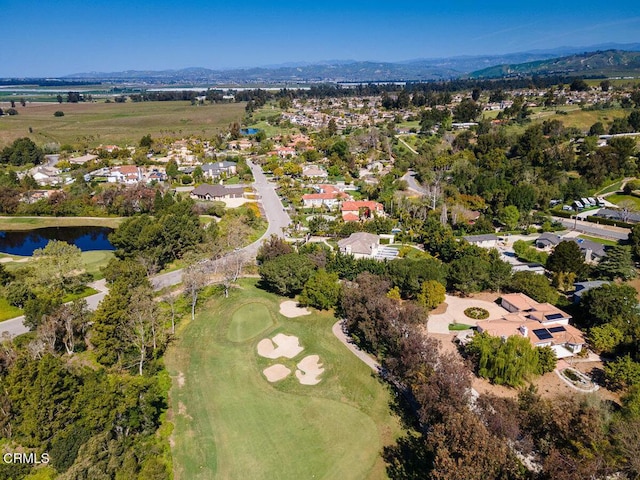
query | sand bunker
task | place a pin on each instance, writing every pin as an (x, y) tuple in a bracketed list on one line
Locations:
[(309, 369), (290, 309), (287, 346), (276, 372)]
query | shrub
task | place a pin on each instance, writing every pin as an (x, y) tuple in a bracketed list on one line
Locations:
[(58, 113), (476, 313)]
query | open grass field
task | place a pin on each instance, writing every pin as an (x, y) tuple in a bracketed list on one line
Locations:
[(30, 223), (230, 423), (115, 123), (602, 241), (8, 311), (619, 197)]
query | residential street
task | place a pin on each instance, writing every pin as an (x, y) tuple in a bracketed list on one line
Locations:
[(276, 216), (412, 183)]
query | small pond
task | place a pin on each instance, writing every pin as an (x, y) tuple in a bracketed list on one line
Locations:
[(24, 242)]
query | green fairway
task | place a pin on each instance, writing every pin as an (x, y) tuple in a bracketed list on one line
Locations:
[(94, 260), (30, 223), (248, 321), (230, 422)]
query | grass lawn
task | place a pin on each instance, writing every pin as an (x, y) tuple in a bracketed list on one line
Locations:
[(94, 260), (618, 197), (602, 241), (231, 423), (454, 327), (614, 187), (87, 291), (30, 223), (98, 123), (8, 311)]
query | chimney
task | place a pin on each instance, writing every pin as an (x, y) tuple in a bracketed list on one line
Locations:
[(524, 330)]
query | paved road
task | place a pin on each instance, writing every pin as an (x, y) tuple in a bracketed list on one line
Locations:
[(606, 231), (15, 326), (412, 183), (277, 217)]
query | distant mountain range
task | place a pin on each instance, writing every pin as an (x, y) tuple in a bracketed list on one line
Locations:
[(608, 62), (485, 66)]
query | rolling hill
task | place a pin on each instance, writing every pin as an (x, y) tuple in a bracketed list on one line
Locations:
[(606, 63)]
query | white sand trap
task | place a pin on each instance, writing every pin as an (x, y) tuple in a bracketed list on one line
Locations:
[(288, 346), (276, 372), (290, 309), (309, 369)]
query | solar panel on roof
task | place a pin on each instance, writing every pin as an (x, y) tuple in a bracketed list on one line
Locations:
[(554, 316), (557, 329), (542, 334)]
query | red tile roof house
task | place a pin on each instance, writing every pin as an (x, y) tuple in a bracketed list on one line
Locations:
[(128, 174), (328, 195), (542, 323), (353, 211)]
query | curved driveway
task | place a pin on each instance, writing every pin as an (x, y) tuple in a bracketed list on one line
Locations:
[(455, 313), (277, 218)]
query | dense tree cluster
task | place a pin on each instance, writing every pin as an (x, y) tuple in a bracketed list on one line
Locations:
[(22, 152)]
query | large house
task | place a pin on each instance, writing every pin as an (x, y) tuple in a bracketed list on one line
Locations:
[(216, 192), (327, 195), (360, 245), (542, 323), (128, 174), (218, 169), (352, 211), (45, 175), (488, 240)]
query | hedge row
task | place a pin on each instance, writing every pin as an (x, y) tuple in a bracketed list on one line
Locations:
[(608, 221)]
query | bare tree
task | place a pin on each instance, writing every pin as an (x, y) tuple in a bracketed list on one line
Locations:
[(170, 299), (36, 348), (230, 267), (194, 279), (139, 326), (48, 332), (627, 207)]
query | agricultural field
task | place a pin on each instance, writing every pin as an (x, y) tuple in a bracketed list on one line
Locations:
[(92, 124), (230, 422)]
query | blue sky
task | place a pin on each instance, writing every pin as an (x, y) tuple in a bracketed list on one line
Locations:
[(49, 38)]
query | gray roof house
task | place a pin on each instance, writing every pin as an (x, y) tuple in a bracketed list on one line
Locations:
[(216, 192), (583, 287), (488, 240), (592, 251), (618, 215), (360, 245), (548, 240), (215, 170)]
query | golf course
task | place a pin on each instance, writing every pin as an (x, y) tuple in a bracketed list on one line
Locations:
[(231, 421)]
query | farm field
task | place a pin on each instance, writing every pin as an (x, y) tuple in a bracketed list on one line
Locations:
[(230, 422), (92, 124)]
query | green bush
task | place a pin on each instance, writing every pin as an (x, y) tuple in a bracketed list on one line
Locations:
[(476, 313), (58, 113)]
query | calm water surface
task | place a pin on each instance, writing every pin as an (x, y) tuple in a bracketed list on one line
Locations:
[(24, 242)]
